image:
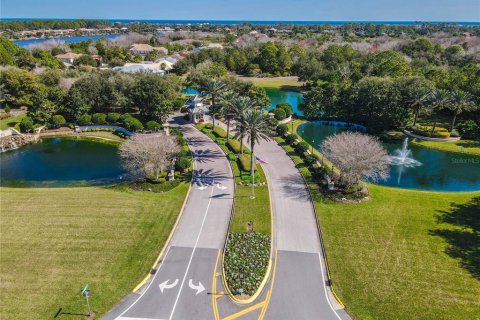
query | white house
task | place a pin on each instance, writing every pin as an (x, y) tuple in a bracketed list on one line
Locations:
[(68, 58), (143, 67)]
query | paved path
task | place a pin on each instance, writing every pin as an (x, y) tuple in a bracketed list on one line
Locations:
[(181, 285)]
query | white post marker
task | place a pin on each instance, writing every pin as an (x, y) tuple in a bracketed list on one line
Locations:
[(86, 293)]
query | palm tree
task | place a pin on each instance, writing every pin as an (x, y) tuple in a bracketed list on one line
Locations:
[(438, 99), (227, 98), (256, 128), (418, 100), (237, 107), (461, 101), (213, 88)]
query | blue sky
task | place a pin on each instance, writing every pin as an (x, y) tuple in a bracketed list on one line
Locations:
[(373, 10)]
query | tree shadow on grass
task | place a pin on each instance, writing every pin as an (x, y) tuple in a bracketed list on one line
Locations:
[(469, 144), (464, 240)]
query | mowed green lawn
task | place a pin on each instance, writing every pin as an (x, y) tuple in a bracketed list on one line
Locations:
[(55, 241), (406, 254)]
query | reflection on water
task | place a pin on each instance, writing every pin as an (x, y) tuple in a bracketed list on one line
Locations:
[(441, 171)]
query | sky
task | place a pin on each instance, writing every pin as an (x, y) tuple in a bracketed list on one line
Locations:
[(294, 10)]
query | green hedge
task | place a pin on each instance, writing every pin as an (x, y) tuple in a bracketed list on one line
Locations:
[(245, 162), (219, 132), (234, 145)]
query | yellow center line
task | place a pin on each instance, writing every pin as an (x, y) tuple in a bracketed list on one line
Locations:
[(214, 289), (267, 300), (245, 311)]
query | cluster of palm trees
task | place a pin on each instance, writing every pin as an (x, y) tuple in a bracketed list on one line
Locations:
[(456, 101), (250, 121)]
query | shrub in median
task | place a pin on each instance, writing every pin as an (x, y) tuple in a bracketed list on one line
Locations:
[(219, 132), (245, 162), (234, 145), (301, 147), (291, 138), (246, 261), (282, 129)]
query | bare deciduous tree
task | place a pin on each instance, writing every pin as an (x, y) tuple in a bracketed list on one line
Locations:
[(358, 156), (149, 155)]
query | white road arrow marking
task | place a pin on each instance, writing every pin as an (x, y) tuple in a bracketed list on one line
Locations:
[(165, 285), (199, 288)]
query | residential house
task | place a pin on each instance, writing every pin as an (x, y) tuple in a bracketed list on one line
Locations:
[(68, 58), (142, 67), (144, 49)]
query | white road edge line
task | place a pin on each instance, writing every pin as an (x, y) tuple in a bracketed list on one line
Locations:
[(146, 289), (193, 252), (325, 287)]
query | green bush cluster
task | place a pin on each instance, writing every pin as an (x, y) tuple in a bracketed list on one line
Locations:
[(287, 107), (301, 147), (153, 126), (99, 118), (26, 125), (219, 132), (112, 117), (234, 145), (246, 261), (281, 130), (244, 160), (469, 130), (439, 132), (291, 138), (279, 113), (58, 121)]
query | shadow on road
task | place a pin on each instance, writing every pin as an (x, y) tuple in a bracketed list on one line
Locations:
[(294, 187), (464, 238)]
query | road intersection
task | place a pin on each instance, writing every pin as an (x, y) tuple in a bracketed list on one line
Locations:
[(187, 283)]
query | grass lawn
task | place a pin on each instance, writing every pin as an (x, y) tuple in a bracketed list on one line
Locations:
[(12, 122), (461, 146), (276, 82), (406, 254), (56, 240)]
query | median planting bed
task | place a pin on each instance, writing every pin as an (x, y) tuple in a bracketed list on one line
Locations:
[(248, 252)]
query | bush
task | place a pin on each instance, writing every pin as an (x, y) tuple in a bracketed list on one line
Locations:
[(272, 122), (310, 159), (26, 125), (58, 120), (7, 109), (208, 126), (469, 129), (245, 162), (287, 107), (4, 116), (231, 156), (301, 147), (219, 132), (133, 124), (291, 138), (99, 118), (124, 117), (279, 114), (153, 126), (282, 129), (427, 131), (85, 120), (234, 145), (183, 163), (113, 117)]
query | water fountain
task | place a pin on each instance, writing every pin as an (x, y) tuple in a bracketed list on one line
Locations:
[(403, 157)]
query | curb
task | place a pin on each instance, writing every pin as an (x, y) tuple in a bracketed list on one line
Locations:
[(269, 268), (167, 243), (329, 279)]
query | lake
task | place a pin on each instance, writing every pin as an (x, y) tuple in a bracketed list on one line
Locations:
[(26, 43), (437, 170), (56, 162)]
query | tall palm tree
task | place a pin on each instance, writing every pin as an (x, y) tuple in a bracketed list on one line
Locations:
[(238, 106), (418, 100), (461, 101), (256, 127), (213, 88), (438, 99), (227, 98)]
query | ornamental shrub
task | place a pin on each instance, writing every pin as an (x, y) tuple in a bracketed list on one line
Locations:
[(245, 162), (85, 120), (183, 163), (279, 113), (291, 138), (301, 147), (219, 132), (469, 129), (282, 129), (310, 159), (287, 107), (7, 109), (133, 124), (153, 126), (58, 121), (99, 118), (113, 117), (26, 125), (234, 145)]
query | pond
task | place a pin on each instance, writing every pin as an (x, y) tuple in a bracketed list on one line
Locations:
[(56, 162), (431, 169), (276, 96)]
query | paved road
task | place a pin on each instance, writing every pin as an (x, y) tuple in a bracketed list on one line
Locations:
[(182, 283), (299, 291)]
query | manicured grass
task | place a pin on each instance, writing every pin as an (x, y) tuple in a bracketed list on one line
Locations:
[(405, 254), (461, 146), (275, 82), (54, 241), (12, 122)]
